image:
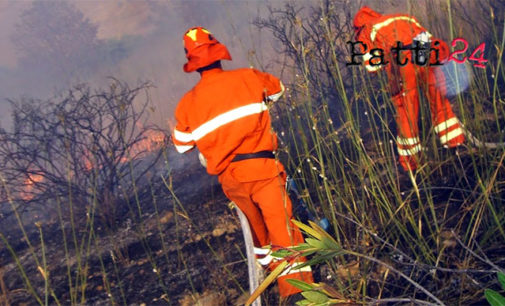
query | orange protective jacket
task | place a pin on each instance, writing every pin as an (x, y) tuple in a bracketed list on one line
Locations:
[(383, 31), (226, 114), (224, 122)]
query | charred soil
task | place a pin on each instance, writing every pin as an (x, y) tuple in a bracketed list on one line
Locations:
[(167, 252)]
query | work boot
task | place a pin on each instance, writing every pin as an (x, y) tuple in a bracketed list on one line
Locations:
[(403, 178), (459, 149)]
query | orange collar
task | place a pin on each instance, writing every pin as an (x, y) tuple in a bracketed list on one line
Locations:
[(210, 72)]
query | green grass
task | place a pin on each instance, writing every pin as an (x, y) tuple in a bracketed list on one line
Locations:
[(438, 219), (433, 236)]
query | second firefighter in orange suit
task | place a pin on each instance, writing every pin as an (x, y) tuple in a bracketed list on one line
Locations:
[(384, 32), (226, 116)]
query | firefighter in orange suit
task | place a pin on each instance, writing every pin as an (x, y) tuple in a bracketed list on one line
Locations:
[(384, 32), (226, 117)]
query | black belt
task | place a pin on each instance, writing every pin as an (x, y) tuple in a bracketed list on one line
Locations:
[(260, 154)]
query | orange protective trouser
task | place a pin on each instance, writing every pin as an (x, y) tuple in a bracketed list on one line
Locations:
[(268, 210), (409, 79)]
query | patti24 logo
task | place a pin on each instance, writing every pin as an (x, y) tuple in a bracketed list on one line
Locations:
[(420, 54)]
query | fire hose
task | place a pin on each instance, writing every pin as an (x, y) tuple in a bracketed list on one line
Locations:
[(254, 272), (481, 144)]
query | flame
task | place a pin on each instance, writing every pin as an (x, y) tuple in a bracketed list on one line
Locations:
[(153, 140), (29, 185), (88, 164)]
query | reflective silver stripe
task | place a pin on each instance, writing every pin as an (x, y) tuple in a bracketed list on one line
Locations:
[(183, 136), (451, 135), (229, 116), (446, 124), (409, 152), (371, 68), (182, 149), (380, 25), (262, 251), (291, 269), (407, 141), (276, 96), (265, 260)]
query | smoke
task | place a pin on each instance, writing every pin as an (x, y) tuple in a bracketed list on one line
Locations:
[(153, 40), (116, 19), (8, 11), (135, 41)]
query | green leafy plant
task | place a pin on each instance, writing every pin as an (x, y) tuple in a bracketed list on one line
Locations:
[(493, 297), (424, 235)]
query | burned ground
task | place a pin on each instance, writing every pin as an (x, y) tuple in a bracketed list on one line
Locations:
[(166, 256), (187, 247)]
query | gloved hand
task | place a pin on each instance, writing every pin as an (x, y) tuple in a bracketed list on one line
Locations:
[(202, 159)]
